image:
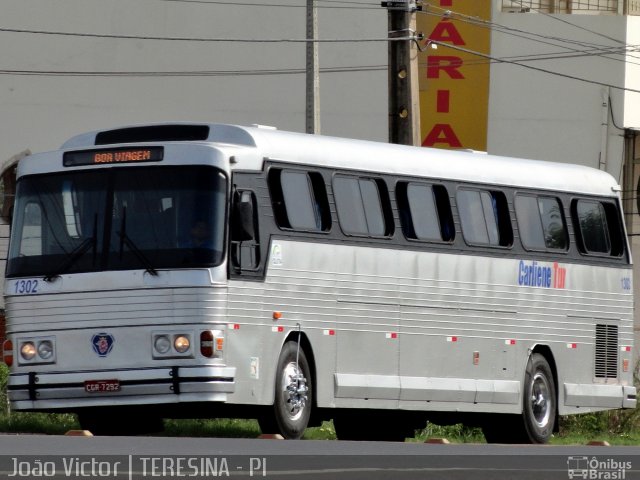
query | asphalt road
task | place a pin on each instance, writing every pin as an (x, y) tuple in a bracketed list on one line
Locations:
[(41, 456)]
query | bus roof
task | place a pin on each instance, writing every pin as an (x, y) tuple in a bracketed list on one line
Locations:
[(366, 155)]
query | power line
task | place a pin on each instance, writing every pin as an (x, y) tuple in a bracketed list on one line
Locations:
[(509, 60), (530, 67), (287, 71), (204, 39), (537, 57), (500, 27), (192, 73), (558, 19), (569, 53), (596, 50), (246, 40), (349, 5)]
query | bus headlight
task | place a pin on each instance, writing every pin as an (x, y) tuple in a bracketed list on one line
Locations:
[(181, 343), (45, 349), (27, 351), (36, 350), (171, 345), (162, 344)]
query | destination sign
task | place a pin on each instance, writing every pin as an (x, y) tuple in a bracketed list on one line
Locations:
[(113, 155)]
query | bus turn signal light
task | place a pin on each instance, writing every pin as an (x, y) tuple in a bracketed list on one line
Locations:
[(211, 343), (206, 343), (7, 352)]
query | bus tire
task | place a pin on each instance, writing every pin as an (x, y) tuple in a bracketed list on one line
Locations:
[(539, 407), (539, 402), (293, 397)]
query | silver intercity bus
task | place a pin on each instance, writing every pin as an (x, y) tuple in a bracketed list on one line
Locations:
[(202, 270)]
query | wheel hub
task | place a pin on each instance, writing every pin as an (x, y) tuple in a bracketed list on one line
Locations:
[(294, 390), (540, 406)]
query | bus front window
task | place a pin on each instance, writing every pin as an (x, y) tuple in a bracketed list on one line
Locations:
[(118, 219)]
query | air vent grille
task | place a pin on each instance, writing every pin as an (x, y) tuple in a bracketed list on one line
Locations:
[(606, 351)]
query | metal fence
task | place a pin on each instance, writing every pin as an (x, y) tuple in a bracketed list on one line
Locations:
[(632, 7)]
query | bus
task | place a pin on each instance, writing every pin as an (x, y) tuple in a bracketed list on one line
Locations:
[(217, 271)]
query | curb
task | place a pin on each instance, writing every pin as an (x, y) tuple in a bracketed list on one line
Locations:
[(79, 433), (437, 441), (271, 436), (598, 443)]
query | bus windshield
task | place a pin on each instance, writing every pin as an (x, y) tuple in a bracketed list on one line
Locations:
[(118, 219)]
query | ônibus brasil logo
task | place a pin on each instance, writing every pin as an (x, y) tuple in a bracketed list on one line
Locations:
[(595, 468), (102, 343)]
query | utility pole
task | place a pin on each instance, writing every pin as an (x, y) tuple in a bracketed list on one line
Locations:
[(313, 74), (404, 110)]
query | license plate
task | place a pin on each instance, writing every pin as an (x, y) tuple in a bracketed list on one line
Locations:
[(101, 386)]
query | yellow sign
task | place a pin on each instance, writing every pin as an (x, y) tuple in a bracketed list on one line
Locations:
[(454, 84)]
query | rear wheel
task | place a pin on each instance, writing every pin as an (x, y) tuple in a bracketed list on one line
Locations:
[(539, 408), (539, 400), (289, 415)]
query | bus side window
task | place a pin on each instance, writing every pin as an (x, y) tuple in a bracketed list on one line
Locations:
[(540, 222), (245, 240), (616, 232), (599, 231), (359, 202), (484, 216), (299, 200), (425, 212)]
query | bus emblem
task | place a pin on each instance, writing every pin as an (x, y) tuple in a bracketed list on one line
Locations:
[(102, 343)]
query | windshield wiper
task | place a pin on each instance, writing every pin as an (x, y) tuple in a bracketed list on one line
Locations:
[(77, 253), (125, 240)]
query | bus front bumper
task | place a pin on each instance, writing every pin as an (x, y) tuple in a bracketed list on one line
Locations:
[(164, 385)]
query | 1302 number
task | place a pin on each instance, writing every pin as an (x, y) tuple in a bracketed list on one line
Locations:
[(26, 286)]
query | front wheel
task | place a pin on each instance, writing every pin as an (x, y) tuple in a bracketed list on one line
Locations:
[(293, 396)]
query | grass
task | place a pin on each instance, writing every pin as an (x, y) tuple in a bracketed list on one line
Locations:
[(617, 427)]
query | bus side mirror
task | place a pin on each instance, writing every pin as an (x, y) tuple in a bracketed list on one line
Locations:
[(244, 218)]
